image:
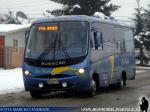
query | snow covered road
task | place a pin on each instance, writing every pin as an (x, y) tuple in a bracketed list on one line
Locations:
[(11, 81)]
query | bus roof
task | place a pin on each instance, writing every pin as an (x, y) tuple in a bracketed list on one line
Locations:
[(82, 18)]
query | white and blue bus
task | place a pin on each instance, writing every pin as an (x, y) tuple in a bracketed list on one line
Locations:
[(78, 53)]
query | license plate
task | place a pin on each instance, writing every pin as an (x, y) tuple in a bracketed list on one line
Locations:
[(52, 82)]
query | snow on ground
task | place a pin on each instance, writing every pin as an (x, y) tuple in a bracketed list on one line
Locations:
[(11, 81), (140, 69)]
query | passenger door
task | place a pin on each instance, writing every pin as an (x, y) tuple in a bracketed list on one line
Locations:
[(97, 53)]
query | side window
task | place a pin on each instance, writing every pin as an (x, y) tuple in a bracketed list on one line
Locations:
[(129, 45), (97, 36), (118, 46), (119, 39), (123, 46), (108, 33), (97, 40)]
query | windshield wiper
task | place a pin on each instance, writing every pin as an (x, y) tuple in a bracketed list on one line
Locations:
[(55, 41), (63, 47)]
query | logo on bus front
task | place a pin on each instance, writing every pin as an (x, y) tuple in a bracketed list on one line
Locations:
[(52, 63)]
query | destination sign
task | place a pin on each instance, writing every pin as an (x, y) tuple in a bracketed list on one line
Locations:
[(48, 28)]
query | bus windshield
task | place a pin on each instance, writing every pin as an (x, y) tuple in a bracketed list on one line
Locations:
[(57, 40)]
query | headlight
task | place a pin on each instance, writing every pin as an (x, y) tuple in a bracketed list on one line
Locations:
[(64, 84), (81, 70), (26, 72)]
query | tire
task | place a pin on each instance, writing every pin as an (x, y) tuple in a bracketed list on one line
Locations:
[(122, 83), (92, 91)]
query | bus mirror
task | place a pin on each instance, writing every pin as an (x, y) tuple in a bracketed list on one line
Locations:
[(98, 40)]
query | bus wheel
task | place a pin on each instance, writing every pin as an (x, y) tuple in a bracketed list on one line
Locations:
[(36, 94), (92, 91), (122, 82)]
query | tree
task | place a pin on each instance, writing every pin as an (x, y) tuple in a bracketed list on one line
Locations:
[(8, 18), (138, 30), (142, 33), (84, 7), (146, 17), (139, 22), (142, 43), (11, 18)]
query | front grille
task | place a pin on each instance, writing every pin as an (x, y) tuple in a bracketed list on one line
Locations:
[(54, 76), (57, 87)]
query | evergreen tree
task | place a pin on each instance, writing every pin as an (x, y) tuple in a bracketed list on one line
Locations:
[(11, 18), (138, 30), (86, 7), (146, 17), (142, 33), (139, 22), (8, 18)]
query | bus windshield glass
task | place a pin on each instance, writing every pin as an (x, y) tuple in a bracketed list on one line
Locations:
[(57, 40)]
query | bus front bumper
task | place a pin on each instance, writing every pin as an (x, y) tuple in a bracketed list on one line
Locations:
[(76, 83)]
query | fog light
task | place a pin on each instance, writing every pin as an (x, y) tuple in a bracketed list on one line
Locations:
[(64, 84), (81, 70), (41, 85), (26, 72)]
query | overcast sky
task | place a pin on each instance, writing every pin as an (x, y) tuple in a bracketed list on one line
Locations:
[(127, 8), (37, 7)]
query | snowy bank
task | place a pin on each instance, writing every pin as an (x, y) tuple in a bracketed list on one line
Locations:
[(11, 81)]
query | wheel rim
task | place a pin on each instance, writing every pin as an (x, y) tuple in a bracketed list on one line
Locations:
[(93, 87), (121, 83)]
